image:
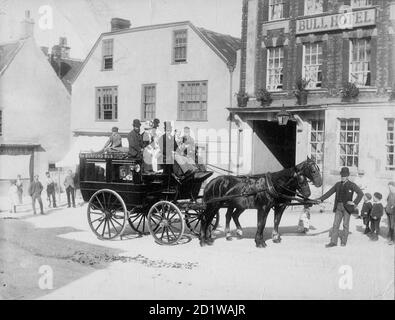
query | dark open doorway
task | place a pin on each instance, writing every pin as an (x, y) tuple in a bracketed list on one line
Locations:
[(280, 140)]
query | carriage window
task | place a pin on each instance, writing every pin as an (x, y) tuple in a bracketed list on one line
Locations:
[(95, 171), (349, 142)]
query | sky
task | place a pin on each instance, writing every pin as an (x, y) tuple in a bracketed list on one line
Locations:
[(82, 21)]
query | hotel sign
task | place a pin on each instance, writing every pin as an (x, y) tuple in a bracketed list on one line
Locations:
[(346, 20)]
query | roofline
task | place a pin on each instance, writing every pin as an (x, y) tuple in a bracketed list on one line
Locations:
[(20, 43), (153, 27)]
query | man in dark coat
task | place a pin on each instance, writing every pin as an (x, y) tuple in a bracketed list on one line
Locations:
[(167, 145), (35, 190), (135, 139), (343, 206)]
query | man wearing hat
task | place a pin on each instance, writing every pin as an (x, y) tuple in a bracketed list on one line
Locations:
[(343, 206), (114, 141), (135, 139), (167, 145)]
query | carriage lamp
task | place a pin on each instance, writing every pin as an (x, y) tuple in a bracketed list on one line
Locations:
[(283, 116)]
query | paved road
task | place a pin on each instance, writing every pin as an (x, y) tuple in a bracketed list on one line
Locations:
[(137, 268)]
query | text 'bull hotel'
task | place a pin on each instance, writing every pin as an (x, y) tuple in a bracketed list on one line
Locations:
[(340, 55)]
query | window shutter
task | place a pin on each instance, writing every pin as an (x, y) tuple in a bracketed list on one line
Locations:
[(286, 8), (346, 60), (300, 7), (264, 68), (266, 10), (299, 60), (373, 61), (325, 82)]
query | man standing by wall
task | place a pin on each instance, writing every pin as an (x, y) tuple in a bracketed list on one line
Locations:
[(135, 139), (343, 206), (70, 187), (35, 190), (50, 190)]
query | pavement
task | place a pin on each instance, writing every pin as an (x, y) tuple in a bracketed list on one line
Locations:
[(61, 245)]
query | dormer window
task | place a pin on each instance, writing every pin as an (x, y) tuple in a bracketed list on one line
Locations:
[(107, 50), (313, 7), (180, 46)]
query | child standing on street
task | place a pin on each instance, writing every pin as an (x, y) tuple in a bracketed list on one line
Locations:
[(376, 214), (390, 211), (13, 195), (366, 210), (304, 219)]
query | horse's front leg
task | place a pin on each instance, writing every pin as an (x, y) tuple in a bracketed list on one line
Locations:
[(278, 213), (262, 216), (239, 229), (228, 216), (204, 225)]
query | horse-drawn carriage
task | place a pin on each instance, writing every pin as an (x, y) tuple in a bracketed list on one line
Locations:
[(119, 193), (160, 203)]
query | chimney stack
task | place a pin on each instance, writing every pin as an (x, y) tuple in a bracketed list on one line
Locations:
[(61, 50), (27, 26), (119, 24)]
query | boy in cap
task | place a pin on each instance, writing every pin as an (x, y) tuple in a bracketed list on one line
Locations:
[(365, 211), (114, 141), (390, 211), (343, 206), (135, 139), (376, 214)]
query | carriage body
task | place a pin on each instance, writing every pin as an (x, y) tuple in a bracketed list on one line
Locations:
[(117, 191)]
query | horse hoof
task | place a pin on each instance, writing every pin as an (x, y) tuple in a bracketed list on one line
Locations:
[(229, 238), (210, 241), (276, 240), (202, 243)]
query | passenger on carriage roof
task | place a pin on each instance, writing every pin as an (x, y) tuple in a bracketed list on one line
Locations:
[(136, 144), (114, 141)]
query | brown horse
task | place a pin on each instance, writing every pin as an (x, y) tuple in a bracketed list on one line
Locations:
[(261, 192)]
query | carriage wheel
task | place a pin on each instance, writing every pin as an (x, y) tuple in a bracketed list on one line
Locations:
[(138, 220), (165, 222), (107, 214), (193, 220)]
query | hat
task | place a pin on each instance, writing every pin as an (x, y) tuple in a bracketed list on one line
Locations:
[(368, 195), (378, 195), (168, 125), (114, 129), (344, 172), (136, 123), (391, 183), (156, 121)]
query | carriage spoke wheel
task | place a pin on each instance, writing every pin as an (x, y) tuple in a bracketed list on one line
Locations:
[(107, 214), (138, 220), (165, 222), (193, 220)]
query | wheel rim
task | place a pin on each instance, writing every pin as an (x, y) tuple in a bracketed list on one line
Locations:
[(138, 221), (107, 214), (193, 220), (166, 223)]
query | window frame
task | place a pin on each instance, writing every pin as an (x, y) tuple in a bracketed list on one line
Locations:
[(319, 43), (369, 62), (317, 142), (175, 46), (103, 66), (340, 143), (306, 13), (271, 4), (179, 101), (281, 73), (390, 143), (144, 103), (116, 111)]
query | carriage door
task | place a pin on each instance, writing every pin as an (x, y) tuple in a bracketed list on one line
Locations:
[(275, 145)]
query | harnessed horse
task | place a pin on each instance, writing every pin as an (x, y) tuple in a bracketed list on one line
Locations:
[(261, 192)]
